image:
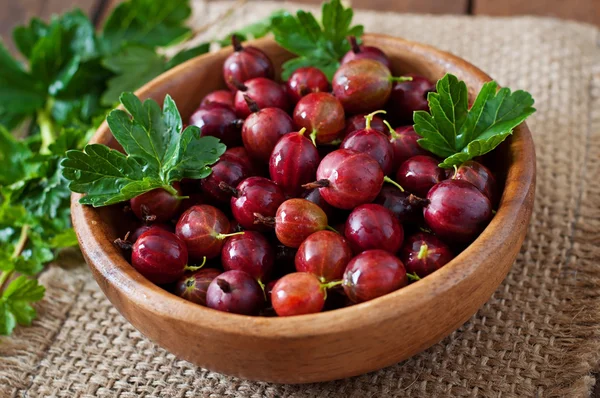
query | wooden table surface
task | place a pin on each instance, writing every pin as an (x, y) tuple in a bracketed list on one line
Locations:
[(18, 12)]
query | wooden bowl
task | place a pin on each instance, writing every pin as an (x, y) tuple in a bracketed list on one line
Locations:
[(330, 345)]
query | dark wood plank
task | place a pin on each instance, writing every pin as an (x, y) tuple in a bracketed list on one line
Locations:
[(19, 12), (578, 10)]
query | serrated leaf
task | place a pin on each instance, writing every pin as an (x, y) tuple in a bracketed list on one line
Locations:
[(133, 67), (319, 45), (146, 22), (66, 238), (157, 154), (15, 303), (456, 133)]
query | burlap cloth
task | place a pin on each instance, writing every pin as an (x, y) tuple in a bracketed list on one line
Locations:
[(537, 336)]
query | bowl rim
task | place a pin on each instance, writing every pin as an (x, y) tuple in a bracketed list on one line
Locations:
[(107, 260)]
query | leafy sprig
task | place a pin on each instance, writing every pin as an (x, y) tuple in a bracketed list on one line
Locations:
[(158, 153), (321, 45), (456, 133)]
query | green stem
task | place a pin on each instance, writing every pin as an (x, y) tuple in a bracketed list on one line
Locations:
[(223, 236), (393, 133), (47, 133), (19, 247), (455, 171), (423, 251), (413, 277), (401, 79), (263, 287), (390, 181), (369, 118), (313, 137), (197, 267), (329, 285), (329, 227), (169, 188)]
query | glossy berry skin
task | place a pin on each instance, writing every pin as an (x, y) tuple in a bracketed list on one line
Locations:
[(419, 173), (480, 176), (227, 170), (408, 97), (251, 253), (157, 205), (374, 144), (305, 81), (160, 256), (236, 292), (240, 155), (457, 211), (256, 195), (373, 273), (265, 92), (298, 293), (218, 120), (324, 254), (358, 122), (353, 178), (223, 97), (368, 52), (193, 287), (322, 115), (362, 85), (200, 228), (406, 207), (293, 162), (404, 143), (296, 220), (423, 253), (144, 228), (263, 129), (372, 226), (246, 63), (314, 195)]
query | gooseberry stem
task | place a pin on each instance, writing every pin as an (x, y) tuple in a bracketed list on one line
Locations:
[(413, 277), (223, 236), (330, 228), (223, 186), (313, 137), (354, 44), (401, 79), (393, 133), (390, 181), (252, 105), (369, 118), (260, 219), (195, 268), (317, 184), (235, 42), (329, 285), (423, 252)]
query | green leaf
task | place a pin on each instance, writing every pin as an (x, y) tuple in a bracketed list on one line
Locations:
[(453, 131), (185, 55), (25, 37), (319, 45), (13, 158), (15, 303), (146, 22), (21, 93), (133, 67), (158, 154), (67, 238)]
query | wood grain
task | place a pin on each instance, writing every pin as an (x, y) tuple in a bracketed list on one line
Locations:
[(331, 345), (578, 10), (19, 12)]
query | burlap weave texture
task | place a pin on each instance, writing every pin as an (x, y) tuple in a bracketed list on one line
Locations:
[(538, 336)]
